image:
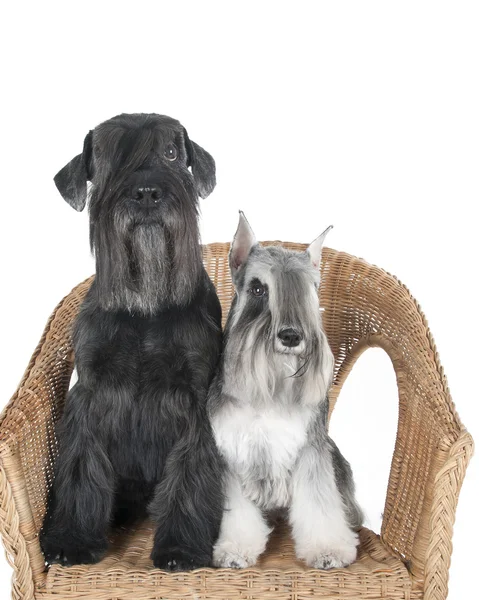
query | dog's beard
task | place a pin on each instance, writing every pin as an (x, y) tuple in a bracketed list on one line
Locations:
[(254, 365), (145, 267)]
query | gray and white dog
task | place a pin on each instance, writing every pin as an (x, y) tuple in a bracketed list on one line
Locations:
[(268, 405)]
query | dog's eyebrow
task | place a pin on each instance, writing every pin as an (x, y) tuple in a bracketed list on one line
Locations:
[(255, 281)]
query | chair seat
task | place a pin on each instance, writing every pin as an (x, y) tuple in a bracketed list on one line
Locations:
[(127, 573)]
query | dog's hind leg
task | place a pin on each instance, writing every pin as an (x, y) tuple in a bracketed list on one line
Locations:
[(188, 502), (322, 533), (346, 487), (244, 531), (81, 499)]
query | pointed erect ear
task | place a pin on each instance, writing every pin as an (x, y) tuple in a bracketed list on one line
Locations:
[(202, 166), (71, 181), (315, 248), (243, 241)]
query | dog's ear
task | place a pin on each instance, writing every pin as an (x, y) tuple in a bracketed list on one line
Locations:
[(243, 241), (202, 166), (71, 181), (315, 248)]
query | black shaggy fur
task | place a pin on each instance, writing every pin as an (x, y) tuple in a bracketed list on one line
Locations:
[(134, 437)]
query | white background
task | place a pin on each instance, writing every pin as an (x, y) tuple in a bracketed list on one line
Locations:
[(361, 114)]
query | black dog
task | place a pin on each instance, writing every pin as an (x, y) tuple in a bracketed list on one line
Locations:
[(135, 436)]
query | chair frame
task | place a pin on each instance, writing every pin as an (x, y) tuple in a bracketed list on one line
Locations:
[(364, 307)]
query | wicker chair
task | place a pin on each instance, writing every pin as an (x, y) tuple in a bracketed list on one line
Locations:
[(364, 307)]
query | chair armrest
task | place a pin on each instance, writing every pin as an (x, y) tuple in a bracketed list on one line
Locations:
[(28, 444), (367, 307)]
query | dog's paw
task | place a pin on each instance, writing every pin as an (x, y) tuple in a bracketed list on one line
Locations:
[(233, 558), (335, 556), (71, 553), (332, 560), (178, 560)]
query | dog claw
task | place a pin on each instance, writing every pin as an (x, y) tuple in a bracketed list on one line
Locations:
[(177, 561), (333, 559), (68, 555), (232, 560)]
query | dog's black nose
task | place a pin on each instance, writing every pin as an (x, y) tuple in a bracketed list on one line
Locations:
[(147, 195), (290, 337)]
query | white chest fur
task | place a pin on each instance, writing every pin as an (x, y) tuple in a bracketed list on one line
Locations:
[(261, 447)]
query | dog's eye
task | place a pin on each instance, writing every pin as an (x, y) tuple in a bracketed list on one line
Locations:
[(258, 291), (171, 152)]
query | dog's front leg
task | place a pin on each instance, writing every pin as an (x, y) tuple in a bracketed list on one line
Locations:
[(244, 531), (318, 516), (80, 501), (188, 502)]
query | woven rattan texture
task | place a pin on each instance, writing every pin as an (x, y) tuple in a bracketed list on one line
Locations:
[(364, 307)]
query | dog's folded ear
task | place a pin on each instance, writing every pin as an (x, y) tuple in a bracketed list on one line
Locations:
[(71, 181), (243, 241), (202, 166), (315, 248)]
